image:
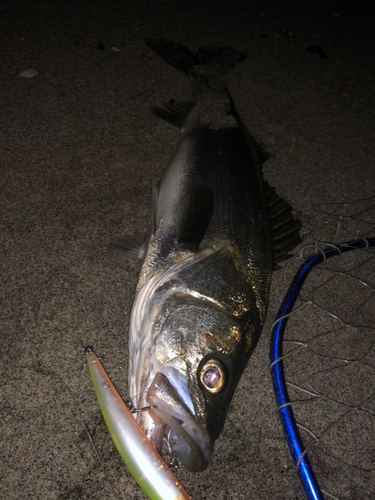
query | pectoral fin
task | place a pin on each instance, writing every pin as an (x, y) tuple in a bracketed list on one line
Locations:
[(135, 246), (132, 246), (174, 114)]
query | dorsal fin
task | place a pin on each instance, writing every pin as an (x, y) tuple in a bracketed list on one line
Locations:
[(174, 114), (284, 226), (195, 218)]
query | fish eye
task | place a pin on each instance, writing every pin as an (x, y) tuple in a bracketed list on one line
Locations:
[(212, 376)]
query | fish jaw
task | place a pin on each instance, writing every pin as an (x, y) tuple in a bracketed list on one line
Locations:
[(169, 420), (187, 439)]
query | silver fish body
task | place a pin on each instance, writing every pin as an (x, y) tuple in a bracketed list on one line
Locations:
[(203, 289)]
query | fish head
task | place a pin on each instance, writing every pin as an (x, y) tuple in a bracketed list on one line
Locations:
[(190, 374)]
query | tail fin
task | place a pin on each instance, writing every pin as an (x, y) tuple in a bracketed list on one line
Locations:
[(220, 58)]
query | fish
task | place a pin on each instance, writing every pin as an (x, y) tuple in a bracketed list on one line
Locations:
[(217, 231)]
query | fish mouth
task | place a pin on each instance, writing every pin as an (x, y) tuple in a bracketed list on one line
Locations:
[(175, 425)]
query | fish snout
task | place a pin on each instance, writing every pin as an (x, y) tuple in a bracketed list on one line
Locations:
[(187, 439)]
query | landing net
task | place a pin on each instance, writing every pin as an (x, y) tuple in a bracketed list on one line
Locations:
[(323, 355)]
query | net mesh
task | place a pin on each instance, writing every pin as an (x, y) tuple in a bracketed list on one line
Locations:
[(329, 349)]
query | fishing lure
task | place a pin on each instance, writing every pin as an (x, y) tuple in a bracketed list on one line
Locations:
[(144, 463)]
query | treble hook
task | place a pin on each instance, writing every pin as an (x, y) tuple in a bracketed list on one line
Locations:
[(133, 409), (173, 462)]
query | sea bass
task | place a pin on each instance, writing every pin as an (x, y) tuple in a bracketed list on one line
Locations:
[(201, 300)]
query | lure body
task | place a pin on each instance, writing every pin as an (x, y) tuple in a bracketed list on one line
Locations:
[(144, 463)]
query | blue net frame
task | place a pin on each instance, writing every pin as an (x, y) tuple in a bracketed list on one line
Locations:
[(297, 450)]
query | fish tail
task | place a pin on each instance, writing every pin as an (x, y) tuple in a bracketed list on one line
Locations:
[(218, 59)]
